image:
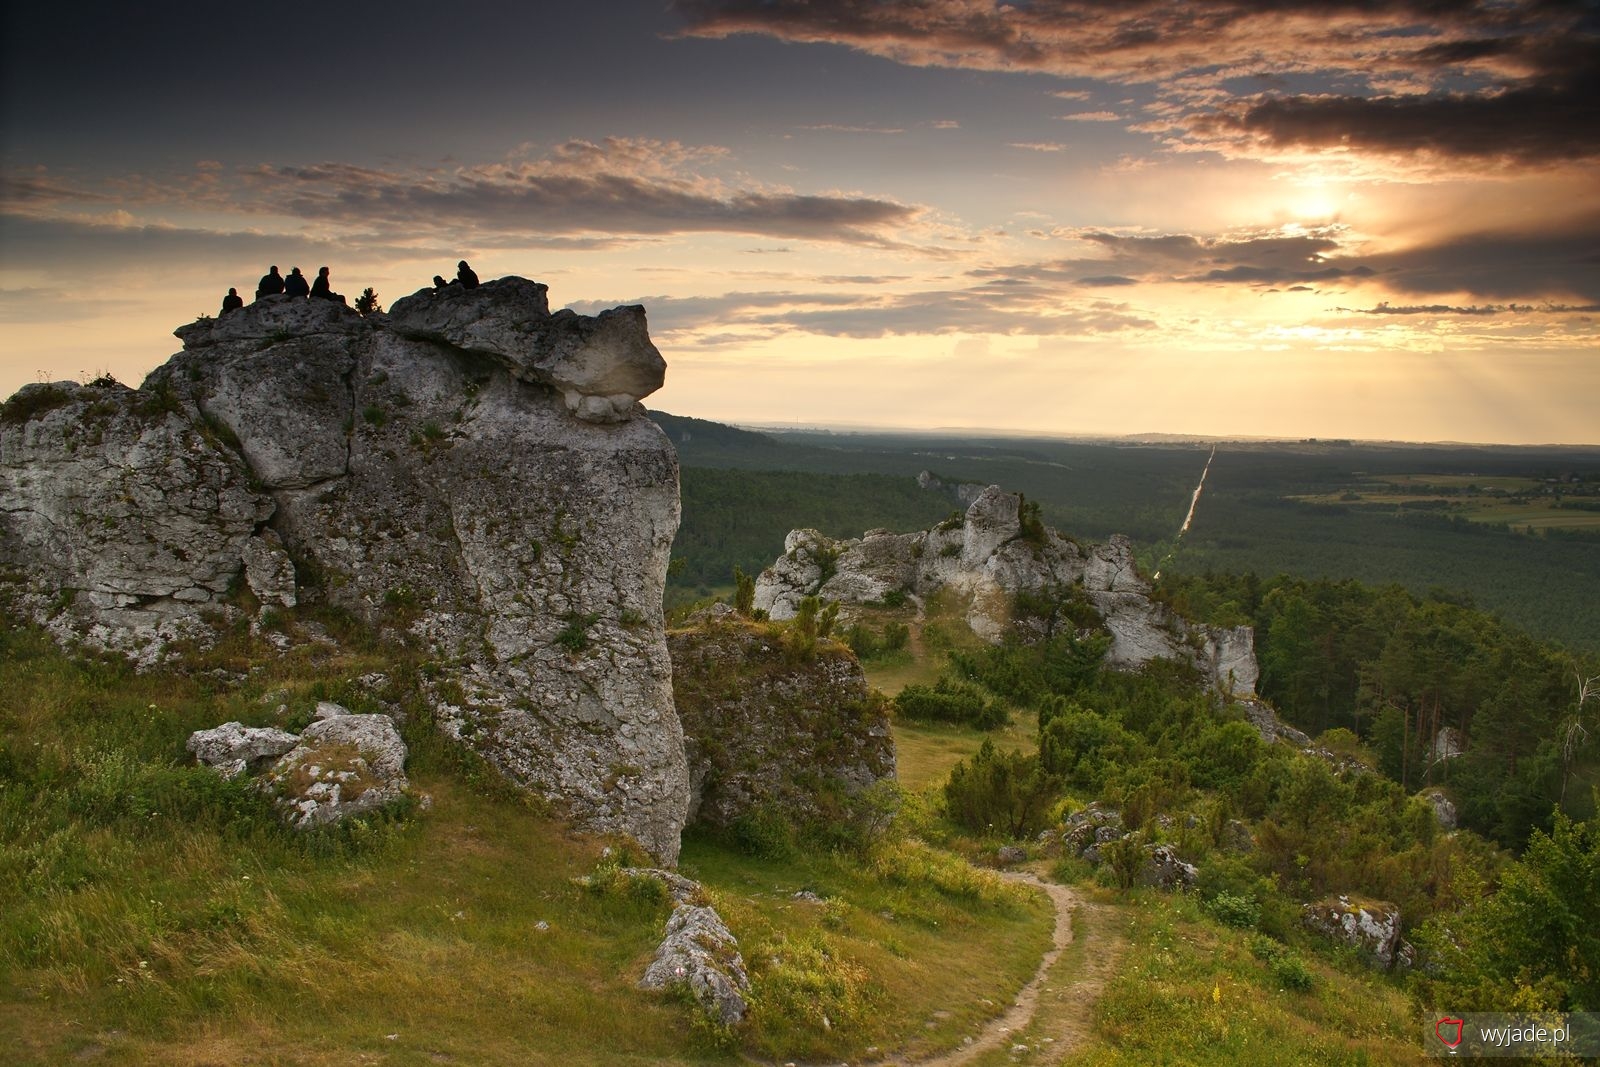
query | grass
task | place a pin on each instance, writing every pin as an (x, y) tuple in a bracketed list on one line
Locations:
[(925, 752), (152, 914), (1191, 991)]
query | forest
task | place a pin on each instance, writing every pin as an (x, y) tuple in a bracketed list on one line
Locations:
[(744, 490)]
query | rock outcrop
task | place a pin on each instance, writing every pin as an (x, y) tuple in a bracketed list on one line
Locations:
[(1370, 926), (467, 470), (989, 557), (697, 952), (766, 730), (341, 765)]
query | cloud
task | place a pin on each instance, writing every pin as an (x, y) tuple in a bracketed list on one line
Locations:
[(1507, 79), (1038, 146), (1250, 259), (579, 191), (998, 306), (1553, 264), (1474, 310), (1091, 116)]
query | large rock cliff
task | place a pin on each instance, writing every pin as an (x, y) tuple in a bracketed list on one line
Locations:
[(995, 552), (468, 468)]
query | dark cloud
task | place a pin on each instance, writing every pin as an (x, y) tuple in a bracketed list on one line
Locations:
[(1271, 259), (1513, 79), (95, 248), (1537, 124), (616, 187), (1001, 306), (1559, 263), (1474, 310)]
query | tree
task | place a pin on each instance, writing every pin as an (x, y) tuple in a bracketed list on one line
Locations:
[(1005, 792), (367, 302)]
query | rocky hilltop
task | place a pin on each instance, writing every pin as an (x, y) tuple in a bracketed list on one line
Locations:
[(987, 557), (468, 470)]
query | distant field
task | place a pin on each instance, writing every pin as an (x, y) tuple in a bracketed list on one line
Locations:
[(1522, 503)]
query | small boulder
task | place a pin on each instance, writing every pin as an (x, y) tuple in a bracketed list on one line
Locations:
[(1092, 826), (1010, 855), (700, 952), (1372, 926), (345, 765), (1164, 870), (1444, 809), (233, 748)]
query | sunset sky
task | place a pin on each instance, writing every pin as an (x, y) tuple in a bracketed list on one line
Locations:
[(1332, 218)]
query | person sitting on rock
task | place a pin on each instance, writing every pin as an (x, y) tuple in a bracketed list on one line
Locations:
[(270, 284), (439, 284), (321, 290), (466, 275), (232, 302), (295, 284)]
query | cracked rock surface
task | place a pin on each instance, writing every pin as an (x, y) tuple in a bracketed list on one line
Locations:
[(468, 471)]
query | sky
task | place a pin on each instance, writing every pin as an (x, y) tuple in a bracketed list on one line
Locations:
[(1373, 219)]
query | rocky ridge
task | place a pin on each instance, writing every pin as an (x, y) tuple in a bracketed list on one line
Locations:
[(468, 472), (991, 555)]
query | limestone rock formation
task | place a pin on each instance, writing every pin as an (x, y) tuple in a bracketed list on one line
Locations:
[(1371, 926), (341, 766), (766, 730), (465, 471), (233, 748), (994, 553), (697, 952)]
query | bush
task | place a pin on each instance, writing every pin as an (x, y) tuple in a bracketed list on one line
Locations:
[(1292, 973), (1006, 792), (1235, 910), (950, 701)]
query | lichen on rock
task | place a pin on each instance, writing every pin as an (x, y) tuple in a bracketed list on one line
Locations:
[(466, 472)]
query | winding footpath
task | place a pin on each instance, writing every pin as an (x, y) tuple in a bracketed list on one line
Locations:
[(1053, 1008)]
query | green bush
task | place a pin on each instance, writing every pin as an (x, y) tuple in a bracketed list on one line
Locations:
[(950, 701), (1235, 910), (1000, 792), (1292, 973)]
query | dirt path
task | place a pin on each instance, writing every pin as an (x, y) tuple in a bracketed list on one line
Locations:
[(1051, 1012)]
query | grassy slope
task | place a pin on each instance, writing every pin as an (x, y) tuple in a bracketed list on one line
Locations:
[(149, 914)]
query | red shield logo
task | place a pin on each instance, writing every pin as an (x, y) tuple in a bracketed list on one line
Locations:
[(1448, 1030)]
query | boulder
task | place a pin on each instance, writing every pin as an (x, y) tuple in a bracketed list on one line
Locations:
[(341, 766), (233, 748), (697, 952), (1164, 870), (1444, 809), (1093, 825), (1371, 926), (987, 559), (1010, 855)]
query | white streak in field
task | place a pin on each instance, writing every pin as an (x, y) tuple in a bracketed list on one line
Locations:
[(1194, 502)]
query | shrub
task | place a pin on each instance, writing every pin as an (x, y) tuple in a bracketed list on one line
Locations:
[(1235, 910), (1003, 792), (950, 701), (1292, 973)]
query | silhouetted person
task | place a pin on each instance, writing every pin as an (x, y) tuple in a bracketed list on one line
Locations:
[(466, 276), (439, 284), (232, 302), (270, 283), (295, 284), (320, 289)]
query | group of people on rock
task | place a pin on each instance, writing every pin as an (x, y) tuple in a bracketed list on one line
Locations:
[(465, 277), (273, 283)]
